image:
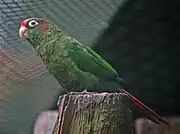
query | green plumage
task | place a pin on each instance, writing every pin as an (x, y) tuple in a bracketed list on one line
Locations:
[(73, 64)]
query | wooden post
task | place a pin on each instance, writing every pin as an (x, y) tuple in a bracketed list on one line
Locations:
[(94, 113)]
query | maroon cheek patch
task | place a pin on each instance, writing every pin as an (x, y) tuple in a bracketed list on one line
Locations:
[(42, 26)]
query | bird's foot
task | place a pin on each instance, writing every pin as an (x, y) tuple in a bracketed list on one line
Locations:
[(84, 91)]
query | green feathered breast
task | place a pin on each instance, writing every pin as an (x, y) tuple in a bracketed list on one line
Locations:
[(73, 64)]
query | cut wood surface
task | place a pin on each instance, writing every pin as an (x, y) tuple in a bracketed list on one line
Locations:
[(94, 113)]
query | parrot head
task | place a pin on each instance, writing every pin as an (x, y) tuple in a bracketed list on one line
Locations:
[(35, 29)]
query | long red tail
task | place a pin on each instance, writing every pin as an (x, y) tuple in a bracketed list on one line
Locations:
[(154, 116)]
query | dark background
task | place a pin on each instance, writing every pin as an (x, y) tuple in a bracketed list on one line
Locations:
[(142, 43)]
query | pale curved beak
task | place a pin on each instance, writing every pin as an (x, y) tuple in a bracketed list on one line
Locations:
[(23, 32)]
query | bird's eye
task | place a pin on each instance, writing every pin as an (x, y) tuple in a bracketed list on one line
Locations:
[(33, 23)]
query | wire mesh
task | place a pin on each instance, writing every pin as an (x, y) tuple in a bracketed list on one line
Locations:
[(20, 68), (81, 19), (19, 64)]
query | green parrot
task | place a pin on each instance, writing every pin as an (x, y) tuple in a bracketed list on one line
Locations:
[(74, 65)]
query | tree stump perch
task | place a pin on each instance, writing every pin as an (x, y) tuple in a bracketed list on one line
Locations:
[(93, 113)]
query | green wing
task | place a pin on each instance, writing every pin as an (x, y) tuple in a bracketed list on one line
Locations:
[(88, 60)]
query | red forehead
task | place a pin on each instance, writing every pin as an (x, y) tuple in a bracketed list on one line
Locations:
[(24, 22)]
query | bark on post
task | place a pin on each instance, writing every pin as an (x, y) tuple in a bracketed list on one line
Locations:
[(93, 113)]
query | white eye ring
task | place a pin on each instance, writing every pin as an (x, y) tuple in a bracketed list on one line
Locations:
[(33, 23)]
